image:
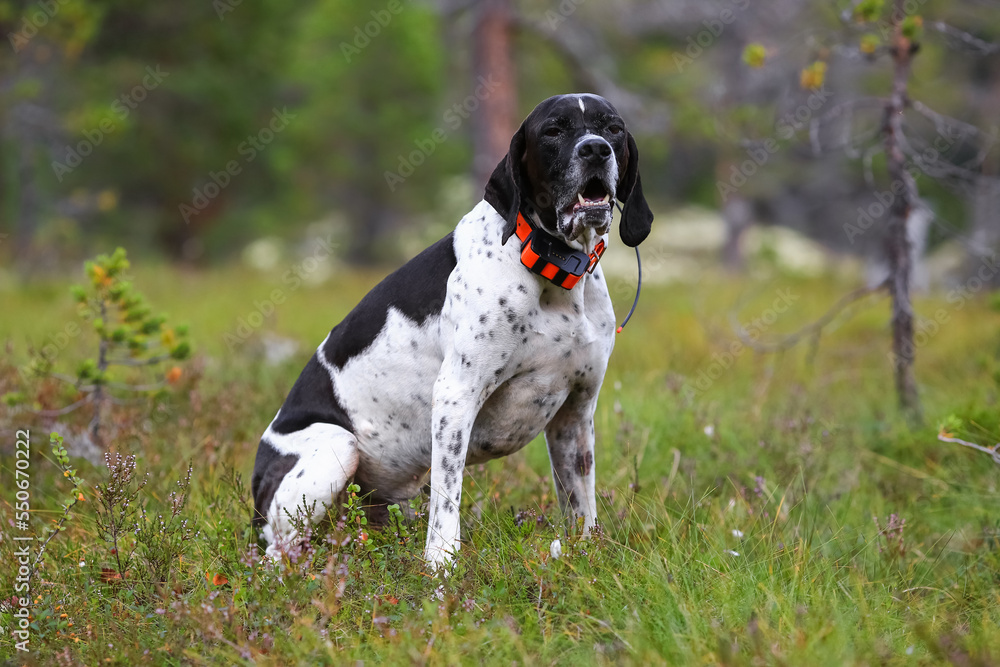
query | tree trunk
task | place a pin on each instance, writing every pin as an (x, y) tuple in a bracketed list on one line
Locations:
[(985, 225), (494, 123), (27, 208), (897, 241), (737, 213)]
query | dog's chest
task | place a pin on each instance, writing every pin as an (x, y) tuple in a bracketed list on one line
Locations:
[(557, 350), (564, 352)]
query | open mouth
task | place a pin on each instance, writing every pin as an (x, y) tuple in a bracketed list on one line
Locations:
[(592, 197)]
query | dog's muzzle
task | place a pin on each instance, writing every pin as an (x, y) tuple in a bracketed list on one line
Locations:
[(590, 204)]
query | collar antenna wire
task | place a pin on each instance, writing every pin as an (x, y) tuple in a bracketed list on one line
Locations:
[(638, 286)]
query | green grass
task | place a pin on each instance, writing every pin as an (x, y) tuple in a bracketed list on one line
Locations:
[(738, 521)]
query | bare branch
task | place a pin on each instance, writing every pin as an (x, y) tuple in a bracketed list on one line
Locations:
[(939, 168), (851, 142), (947, 126), (69, 379), (123, 361), (814, 142), (137, 400), (970, 42), (136, 387), (579, 49), (853, 53), (111, 385), (844, 108), (66, 410), (812, 329), (956, 232), (866, 161), (993, 451)]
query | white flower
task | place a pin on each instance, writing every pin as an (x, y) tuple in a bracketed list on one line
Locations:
[(710, 430), (555, 548)]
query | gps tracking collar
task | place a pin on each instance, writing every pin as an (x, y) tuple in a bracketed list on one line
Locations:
[(552, 259), (561, 265)]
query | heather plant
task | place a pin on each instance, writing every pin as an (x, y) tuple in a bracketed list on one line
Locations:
[(163, 537), (890, 537), (117, 512), (145, 538)]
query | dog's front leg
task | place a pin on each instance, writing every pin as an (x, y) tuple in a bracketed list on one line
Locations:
[(458, 395), (569, 437)]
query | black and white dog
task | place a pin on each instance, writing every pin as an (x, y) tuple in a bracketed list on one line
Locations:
[(475, 346)]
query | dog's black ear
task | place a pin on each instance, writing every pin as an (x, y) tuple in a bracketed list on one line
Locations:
[(503, 190), (637, 219)]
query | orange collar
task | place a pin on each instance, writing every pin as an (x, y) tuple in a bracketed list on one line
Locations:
[(552, 259)]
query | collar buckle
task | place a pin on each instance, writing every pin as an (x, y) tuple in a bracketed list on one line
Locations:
[(595, 256)]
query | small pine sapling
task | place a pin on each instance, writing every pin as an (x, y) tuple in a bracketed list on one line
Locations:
[(128, 335)]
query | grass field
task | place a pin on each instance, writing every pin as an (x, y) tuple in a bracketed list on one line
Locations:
[(756, 509)]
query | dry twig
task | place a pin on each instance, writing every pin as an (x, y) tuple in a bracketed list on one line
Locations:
[(812, 329), (993, 451)]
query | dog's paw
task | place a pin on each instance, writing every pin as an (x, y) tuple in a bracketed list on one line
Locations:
[(274, 553), (439, 560)]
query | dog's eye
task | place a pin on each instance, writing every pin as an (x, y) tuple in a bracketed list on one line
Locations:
[(553, 131), (615, 129)]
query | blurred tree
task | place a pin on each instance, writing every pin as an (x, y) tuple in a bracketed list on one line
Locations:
[(371, 84), (382, 112), (907, 154), (493, 62), (146, 102), (218, 88), (44, 39)]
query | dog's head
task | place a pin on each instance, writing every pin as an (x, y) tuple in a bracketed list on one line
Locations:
[(570, 158)]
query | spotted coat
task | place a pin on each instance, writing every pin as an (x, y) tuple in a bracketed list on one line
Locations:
[(463, 355)]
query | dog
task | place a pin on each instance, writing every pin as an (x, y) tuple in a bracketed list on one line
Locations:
[(499, 331)]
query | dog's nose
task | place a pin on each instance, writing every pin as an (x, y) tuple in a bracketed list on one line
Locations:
[(594, 151)]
